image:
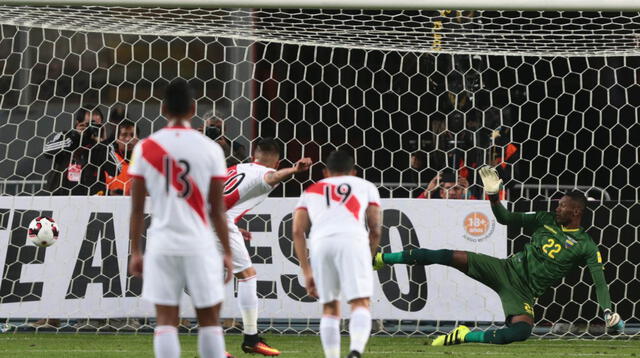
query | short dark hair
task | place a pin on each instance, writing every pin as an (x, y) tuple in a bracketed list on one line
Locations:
[(448, 176), (125, 123), (88, 108), (118, 113), (340, 161), (268, 145), (578, 197), (178, 98)]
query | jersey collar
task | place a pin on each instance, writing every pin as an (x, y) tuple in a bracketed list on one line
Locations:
[(569, 230)]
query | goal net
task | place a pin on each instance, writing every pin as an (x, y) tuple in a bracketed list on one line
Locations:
[(549, 97)]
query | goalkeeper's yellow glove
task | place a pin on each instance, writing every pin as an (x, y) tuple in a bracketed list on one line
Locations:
[(490, 180)]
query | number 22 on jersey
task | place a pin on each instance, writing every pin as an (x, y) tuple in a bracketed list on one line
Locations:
[(551, 248)]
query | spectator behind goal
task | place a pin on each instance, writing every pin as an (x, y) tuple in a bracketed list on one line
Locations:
[(78, 156)]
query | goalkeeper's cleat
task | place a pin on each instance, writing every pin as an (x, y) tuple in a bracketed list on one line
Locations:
[(454, 337), (261, 347), (378, 262)]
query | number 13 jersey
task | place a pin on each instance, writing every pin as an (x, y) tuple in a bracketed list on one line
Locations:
[(337, 205), (177, 165)]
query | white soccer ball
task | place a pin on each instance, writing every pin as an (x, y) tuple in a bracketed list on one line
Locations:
[(43, 231)]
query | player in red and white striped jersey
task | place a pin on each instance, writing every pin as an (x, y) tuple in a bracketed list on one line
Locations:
[(337, 208), (246, 186), (183, 171)]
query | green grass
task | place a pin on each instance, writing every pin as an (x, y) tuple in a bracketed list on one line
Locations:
[(23, 345)]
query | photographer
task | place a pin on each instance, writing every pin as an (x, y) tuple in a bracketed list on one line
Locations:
[(77, 156)]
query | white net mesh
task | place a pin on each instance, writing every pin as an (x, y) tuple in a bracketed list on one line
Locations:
[(549, 97)]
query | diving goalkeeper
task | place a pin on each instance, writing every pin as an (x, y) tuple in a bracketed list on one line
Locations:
[(557, 246)]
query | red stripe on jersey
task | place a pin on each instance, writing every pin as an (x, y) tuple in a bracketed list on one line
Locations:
[(231, 198), (235, 221), (352, 204), (153, 153)]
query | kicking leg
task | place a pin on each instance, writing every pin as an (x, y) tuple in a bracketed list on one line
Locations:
[(359, 326), (165, 337), (248, 302), (453, 258), (330, 329)]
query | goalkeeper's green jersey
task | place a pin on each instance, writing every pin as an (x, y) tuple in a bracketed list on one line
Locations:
[(553, 252)]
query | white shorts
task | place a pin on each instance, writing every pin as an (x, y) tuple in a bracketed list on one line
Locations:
[(167, 276), (341, 264), (239, 254)]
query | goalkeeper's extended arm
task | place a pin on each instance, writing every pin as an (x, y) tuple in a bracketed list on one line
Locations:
[(611, 318), (492, 182)]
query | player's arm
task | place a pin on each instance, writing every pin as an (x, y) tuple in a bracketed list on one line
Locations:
[(374, 221), (219, 220), (596, 269), (492, 183), (301, 225), (275, 177), (136, 224)]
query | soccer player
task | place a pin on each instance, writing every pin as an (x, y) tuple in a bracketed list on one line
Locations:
[(558, 245), (183, 172), (246, 186), (336, 208)]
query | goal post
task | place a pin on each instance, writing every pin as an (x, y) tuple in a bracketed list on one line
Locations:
[(582, 5), (546, 91)]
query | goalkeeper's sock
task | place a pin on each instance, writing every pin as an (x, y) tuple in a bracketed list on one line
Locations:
[(475, 337), (419, 257), (518, 331)]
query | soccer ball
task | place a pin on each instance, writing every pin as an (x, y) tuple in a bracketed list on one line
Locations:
[(43, 231)]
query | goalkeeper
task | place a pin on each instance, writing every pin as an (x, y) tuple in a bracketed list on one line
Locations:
[(557, 246)]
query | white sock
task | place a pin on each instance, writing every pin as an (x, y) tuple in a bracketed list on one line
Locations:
[(165, 342), (330, 336), (359, 329), (248, 302), (211, 342)]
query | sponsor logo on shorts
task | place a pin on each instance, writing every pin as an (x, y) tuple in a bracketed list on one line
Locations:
[(478, 227)]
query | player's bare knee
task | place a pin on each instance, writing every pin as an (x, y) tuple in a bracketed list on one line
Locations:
[(167, 315), (209, 316), (331, 308), (246, 273), (359, 302)]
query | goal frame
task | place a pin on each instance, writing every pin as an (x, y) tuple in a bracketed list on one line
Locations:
[(586, 5)]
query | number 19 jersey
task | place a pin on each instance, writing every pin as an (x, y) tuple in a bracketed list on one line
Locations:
[(177, 165), (337, 205)]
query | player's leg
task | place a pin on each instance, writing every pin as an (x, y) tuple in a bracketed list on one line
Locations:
[(359, 326), (210, 334), (248, 302), (516, 304), (165, 336), (330, 329), (453, 258), (205, 283), (518, 330), (247, 295), (356, 280), (162, 285), (322, 254)]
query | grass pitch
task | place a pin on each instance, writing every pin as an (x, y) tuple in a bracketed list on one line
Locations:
[(44, 345)]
